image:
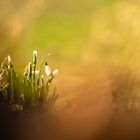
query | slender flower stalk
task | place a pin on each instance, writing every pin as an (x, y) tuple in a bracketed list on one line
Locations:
[(42, 80), (34, 70), (10, 74)]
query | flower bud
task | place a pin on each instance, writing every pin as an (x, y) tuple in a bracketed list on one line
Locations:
[(34, 57), (47, 70), (9, 61)]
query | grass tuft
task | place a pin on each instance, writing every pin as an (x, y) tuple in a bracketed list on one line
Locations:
[(28, 91)]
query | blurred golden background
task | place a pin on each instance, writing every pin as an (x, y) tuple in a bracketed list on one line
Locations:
[(88, 41), (75, 32), (80, 35)]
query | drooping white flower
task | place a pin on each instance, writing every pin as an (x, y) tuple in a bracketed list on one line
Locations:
[(9, 61), (47, 70), (35, 53), (55, 73)]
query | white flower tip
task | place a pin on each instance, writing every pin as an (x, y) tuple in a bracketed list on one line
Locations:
[(29, 64), (55, 72), (9, 59), (47, 70), (35, 52)]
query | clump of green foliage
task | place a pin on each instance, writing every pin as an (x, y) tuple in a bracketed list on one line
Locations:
[(28, 91)]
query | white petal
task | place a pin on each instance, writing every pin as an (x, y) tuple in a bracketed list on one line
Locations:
[(9, 59), (47, 70), (55, 73), (35, 53)]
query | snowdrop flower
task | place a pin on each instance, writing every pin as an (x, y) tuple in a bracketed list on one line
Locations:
[(34, 57), (9, 61), (55, 73), (47, 70)]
